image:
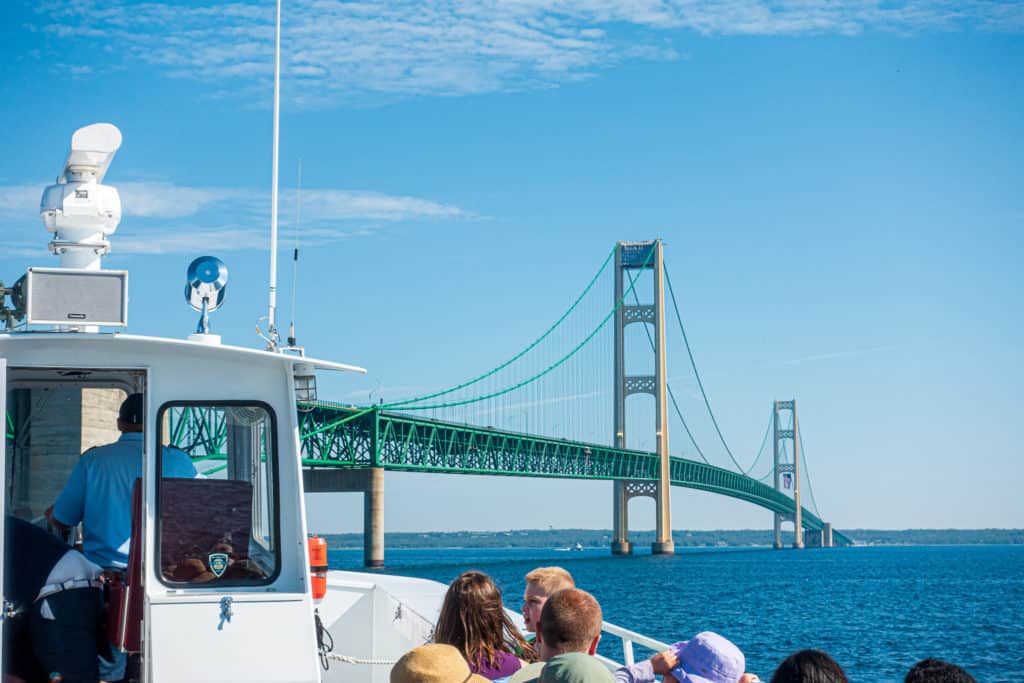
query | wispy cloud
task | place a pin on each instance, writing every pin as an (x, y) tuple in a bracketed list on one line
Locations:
[(343, 205), (166, 200), (153, 213), (20, 201), (336, 50), (832, 355), (191, 241)]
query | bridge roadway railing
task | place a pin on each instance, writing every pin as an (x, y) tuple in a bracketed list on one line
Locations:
[(350, 437)]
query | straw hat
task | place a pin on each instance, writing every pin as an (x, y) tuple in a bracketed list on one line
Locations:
[(434, 664)]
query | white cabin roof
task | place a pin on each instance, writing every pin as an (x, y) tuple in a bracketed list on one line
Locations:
[(137, 347)]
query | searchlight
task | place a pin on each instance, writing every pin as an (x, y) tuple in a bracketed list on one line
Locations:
[(204, 291)]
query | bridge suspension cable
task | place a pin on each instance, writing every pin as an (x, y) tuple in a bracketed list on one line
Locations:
[(671, 394), (513, 359), (760, 451), (807, 473), (407, 404), (696, 374)]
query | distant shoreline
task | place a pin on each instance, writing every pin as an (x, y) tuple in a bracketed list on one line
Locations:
[(551, 539)]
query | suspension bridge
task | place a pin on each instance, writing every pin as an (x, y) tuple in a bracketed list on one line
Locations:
[(540, 414)]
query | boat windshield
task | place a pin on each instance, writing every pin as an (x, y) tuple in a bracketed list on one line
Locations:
[(221, 526)]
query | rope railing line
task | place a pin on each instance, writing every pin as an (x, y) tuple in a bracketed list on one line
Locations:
[(334, 656), (696, 374), (519, 355), (545, 371)]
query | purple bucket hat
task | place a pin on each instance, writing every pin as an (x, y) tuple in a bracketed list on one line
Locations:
[(708, 658)]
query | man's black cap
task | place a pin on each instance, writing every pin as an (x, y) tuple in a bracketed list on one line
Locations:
[(131, 410)]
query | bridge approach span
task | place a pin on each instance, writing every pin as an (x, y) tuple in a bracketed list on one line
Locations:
[(336, 436)]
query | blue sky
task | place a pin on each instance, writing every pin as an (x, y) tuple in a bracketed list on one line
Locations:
[(838, 186)]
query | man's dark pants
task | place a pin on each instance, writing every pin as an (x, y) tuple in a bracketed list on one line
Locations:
[(64, 647)]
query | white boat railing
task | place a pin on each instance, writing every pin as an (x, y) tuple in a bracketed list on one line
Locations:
[(628, 638)]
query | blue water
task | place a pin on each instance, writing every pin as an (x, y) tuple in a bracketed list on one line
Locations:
[(876, 610)]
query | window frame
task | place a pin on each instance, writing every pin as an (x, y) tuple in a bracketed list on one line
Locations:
[(274, 469)]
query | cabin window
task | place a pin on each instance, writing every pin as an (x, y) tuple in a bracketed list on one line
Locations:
[(219, 527)]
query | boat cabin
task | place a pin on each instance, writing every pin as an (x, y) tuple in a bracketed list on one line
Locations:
[(217, 564)]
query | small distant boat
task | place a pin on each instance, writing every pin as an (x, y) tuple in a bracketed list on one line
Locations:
[(578, 546)]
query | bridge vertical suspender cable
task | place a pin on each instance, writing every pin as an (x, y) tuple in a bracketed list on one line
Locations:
[(671, 394), (807, 474), (696, 374), (449, 404), (760, 451), (538, 340)]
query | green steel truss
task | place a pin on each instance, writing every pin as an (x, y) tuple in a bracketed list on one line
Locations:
[(339, 436), (348, 437)]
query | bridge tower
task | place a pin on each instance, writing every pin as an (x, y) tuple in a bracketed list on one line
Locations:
[(791, 469), (632, 256)]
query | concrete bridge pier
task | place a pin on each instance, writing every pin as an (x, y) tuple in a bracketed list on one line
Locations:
[(370, 482), (820, 538), (620, 513)]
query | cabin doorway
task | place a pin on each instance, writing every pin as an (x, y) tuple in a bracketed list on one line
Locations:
[(52, 416)]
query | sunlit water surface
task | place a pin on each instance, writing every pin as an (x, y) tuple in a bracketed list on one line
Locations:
[(876, 610)]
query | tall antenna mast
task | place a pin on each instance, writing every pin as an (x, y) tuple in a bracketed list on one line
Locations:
[(272, 335), (295, 256)]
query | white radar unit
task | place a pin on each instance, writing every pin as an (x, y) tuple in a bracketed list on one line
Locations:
[(78, 210)]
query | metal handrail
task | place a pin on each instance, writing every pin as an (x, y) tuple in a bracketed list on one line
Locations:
[(628, 638)]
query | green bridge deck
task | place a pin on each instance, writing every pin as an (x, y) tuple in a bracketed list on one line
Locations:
[(338, 436)]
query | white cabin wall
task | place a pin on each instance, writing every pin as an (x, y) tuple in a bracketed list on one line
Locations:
[(271, 636)]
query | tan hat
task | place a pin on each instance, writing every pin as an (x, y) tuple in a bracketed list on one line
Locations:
[(433, 664)]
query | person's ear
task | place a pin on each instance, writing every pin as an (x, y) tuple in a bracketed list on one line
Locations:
[(593, 645)]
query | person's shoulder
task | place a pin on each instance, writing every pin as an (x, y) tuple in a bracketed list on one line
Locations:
[(100, 449), (528, 673), (178, 458), (97, 453), (174, 452), (113, 449)]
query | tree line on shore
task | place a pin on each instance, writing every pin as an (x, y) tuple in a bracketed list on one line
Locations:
[(591, 538)]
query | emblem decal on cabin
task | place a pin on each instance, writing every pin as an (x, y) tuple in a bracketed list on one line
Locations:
[(218, 563)]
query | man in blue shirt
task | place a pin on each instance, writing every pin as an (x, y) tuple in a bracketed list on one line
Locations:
[(99, 494), (99, 490)]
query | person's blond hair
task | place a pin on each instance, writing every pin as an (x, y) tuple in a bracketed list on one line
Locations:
[(551, 579)]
